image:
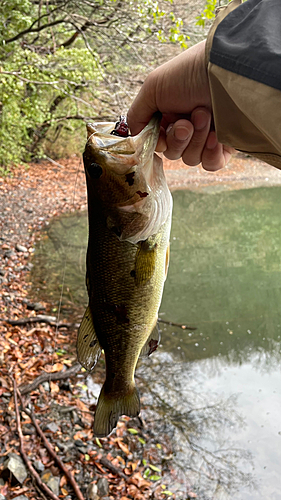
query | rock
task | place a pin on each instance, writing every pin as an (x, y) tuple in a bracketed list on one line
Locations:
[(39, 466), (2, 497), (35, 306), (2, 272), (46, 386), (51, 481), (103, 486), (83, 449), (9, 253), (92, 492), (52, 426), (20, 248), (15, 468), (79, 442), (21, 497)]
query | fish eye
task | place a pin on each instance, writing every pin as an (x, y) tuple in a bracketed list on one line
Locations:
[(94, 170)]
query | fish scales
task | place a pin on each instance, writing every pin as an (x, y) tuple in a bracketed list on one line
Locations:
[(127, 260)]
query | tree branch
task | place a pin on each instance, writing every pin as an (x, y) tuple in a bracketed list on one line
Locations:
[(35, 30), (47, 377)]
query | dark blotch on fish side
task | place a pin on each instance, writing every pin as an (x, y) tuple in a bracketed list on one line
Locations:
[(95, 171), (142, 195), (133, 273), (130, 178), (93, 343), (119, 311)]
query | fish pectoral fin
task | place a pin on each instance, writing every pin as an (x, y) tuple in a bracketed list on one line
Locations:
[(145, 262), (167, 260), (111, 406), (152, 342), (88, 347)]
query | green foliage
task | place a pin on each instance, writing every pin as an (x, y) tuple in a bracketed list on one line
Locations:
[(64, 62), (208, 13)]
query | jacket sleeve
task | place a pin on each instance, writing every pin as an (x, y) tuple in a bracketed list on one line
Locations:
[(243, 57)]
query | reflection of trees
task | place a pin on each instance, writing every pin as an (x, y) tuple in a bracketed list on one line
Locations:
[(261, 348), (60, 258), (207, 461)]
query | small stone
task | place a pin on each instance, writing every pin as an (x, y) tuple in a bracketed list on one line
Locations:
[(2, 272), (20, 248), (14, 467), (2, 497), (51, 481), (52, 426), (21, 497), (103, 487), (46, 386), (35, 306), (79, 442), (83, 449), (39, 466), (92, 492)]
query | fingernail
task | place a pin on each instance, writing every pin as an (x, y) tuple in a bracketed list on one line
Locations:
[(169, 128), (200, 120), (181, 133)]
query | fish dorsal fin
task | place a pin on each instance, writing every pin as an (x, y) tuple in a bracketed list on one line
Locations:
[(88, 347), (152, 342)]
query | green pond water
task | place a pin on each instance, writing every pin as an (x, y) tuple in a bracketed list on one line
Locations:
[(217, 389)]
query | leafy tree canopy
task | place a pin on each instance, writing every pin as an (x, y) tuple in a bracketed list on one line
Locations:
[(64, 62)]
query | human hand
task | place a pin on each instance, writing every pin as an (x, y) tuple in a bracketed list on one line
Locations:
[(194, 142), (179, 89)]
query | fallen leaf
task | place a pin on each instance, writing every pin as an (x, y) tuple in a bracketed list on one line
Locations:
[(122, 446), (54, 388)]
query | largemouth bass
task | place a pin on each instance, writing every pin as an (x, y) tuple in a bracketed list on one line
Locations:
[(129, 212)]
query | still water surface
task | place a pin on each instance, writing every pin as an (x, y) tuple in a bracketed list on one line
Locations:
[(218, 388)]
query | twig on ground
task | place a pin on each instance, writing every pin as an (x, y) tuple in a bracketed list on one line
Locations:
[(31, 469), (52, 452), (54, 162), (106, 463), (47, 377), (40, 318), (179, 325)]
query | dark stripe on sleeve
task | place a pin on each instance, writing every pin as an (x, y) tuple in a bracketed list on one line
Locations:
[(248, 42)]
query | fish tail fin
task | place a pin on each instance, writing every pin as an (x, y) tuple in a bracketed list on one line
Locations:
[(111, 406)]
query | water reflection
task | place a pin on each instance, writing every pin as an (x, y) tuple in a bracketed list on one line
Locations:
[(217, 389), (208, 462)]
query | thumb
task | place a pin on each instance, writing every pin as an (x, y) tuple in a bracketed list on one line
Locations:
[(143, 107)]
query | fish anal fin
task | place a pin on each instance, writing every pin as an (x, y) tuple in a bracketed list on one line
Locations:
[(111, 406), (88, 347), (152, 342)]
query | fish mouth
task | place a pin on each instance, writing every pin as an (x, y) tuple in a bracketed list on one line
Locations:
[(122, 153)]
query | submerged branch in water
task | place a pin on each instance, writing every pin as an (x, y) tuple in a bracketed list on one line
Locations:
[(178, 325)]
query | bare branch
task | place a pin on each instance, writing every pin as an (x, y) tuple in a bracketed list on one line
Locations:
[(35, 30)]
